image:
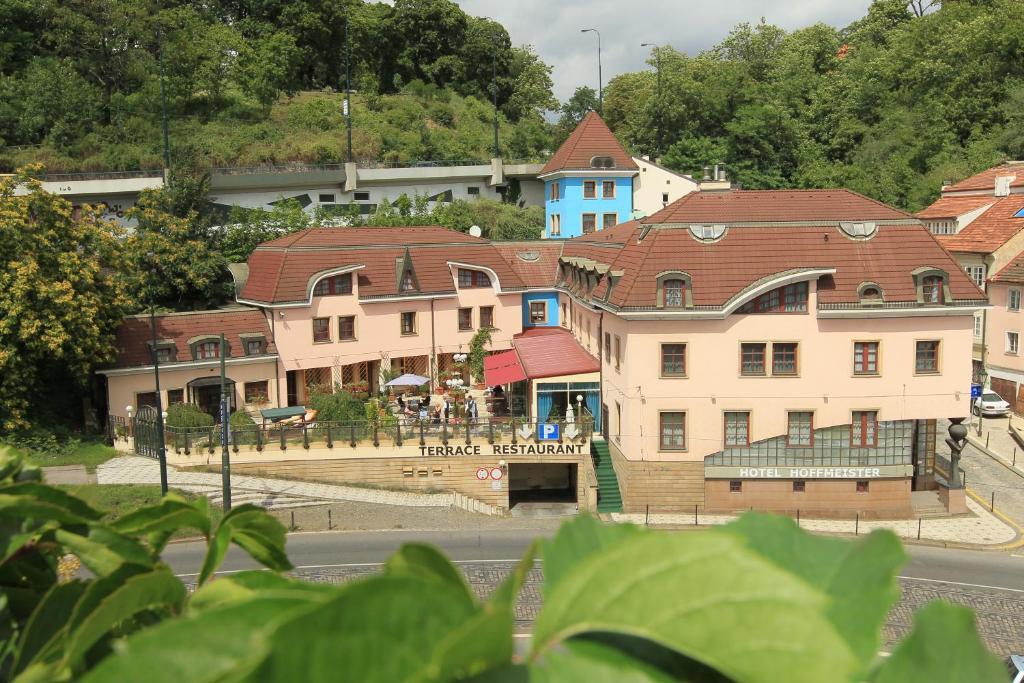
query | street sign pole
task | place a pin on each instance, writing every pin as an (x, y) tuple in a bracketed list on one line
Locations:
[(225, 430)]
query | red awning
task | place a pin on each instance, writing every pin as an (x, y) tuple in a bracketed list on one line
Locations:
[(503, 368)]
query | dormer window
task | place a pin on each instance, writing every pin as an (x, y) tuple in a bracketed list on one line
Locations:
[(166, 350), (931, 287), (870, 294), (473, 278), (602, 162), (207, 349), (334, 285), (408, 284), (788, 299), (674, 290), (860, 231), (707, 233)]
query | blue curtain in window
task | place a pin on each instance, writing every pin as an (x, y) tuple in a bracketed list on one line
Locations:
[(593, 401), (544, 402)]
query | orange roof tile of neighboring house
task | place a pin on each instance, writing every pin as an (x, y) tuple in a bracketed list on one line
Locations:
[(951, 207), (986, 180), (990, 230), (1012, 272), (358, 237), (788, 206), (135, 333), (592, 138)]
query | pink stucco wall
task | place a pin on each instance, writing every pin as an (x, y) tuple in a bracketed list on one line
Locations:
[(378, 331), (825, 383), (1001, 320), (122, 389)]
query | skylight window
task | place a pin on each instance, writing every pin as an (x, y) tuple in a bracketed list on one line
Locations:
[(1019, 214), (707, 233), (858, 230)]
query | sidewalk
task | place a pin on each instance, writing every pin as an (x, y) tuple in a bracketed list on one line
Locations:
[(981, 529)]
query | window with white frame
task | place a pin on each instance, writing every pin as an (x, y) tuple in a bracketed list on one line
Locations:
[(556, 224), (942, 227), (976, 273), (1012, 342), (1013, 300), (977, 326)]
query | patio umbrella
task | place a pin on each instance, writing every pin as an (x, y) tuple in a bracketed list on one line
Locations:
[(408, 380)]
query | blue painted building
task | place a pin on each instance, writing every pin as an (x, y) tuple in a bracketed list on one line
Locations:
[(588, 183), (540, 309)]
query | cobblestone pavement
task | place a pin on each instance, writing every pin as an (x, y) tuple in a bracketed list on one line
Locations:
[(987, 476), (998, 611)]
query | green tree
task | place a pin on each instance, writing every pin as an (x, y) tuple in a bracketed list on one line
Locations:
[(583, 100), (247, 228), (531, 89), (62, 295)]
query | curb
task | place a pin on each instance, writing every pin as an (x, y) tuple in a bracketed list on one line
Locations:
[(1019, 541)]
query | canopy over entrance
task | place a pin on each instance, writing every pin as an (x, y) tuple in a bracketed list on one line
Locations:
[(503, 368)]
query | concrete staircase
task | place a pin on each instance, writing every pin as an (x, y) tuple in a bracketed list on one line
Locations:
[(608, 497), (269, 501), (927, 504)]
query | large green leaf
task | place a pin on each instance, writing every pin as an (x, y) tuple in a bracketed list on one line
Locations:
[(48, 623), (113, 599), (104, 551), (243, 586), (592, 662), (39, 501), (428, 563), (944, 647), (201, 648), (708, 596), (170, 514), (255, 531), (504, 596), (576, 540), (859, 577), (386, 629)]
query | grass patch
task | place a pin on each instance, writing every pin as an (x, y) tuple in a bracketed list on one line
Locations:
[(88, 453), (117, 500)]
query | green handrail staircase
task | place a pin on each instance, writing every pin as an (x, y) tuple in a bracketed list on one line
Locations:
[(608, 497)]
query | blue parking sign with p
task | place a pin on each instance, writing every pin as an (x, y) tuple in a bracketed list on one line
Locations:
[(547, 431), (975, 390)]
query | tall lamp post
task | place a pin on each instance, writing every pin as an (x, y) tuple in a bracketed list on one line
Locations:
[(348, 90), (162, 452), (494, 91), (600, 80), (163, 103), (657, 66)]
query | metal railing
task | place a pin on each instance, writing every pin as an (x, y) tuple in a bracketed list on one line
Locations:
[(102, 175), (276, 168), (421, 163), (389, 433)]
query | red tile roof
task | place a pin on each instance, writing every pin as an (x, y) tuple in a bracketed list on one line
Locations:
[(738, 206), (135, 333), (745, 255), (952, 207), (280, 270), (1012, 272), (552, 352), (536, 263), (986, 180), (590, 139), (990, 230)]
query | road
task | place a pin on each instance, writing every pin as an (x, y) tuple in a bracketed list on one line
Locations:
[(989, 582)]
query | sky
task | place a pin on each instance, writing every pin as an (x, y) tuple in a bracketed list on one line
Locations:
[(553, 28)]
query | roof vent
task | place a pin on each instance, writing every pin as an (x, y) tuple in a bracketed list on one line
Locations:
[(528, 256), (861, 231), (602, 162), (707, 233), (474, 231)]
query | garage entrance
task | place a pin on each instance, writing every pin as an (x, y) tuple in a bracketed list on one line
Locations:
[(533, 482)]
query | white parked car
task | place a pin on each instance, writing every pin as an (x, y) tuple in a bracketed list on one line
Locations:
[(1016, 666), (991, 403)]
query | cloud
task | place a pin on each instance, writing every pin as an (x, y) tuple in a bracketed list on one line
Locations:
[(553, 28)]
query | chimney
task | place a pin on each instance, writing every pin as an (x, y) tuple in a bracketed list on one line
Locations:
[(707, 173), (717, 180), (1003, 182)]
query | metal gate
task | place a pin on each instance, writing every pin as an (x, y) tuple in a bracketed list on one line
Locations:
[(146, 432), (1007, 390)]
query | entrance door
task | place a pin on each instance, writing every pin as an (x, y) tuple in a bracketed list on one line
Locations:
[(293, 388), (604, 421), (208, 400)]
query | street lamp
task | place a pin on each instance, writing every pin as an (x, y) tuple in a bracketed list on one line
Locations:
[(657, 63), (348, 89), (600, 80), (494, 90), (160, 414)]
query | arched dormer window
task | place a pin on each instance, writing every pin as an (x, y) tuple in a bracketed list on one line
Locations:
[(932, 286), (334, 285), (473, 278), (674, 290), (787, 299), (870, 294), (602, 162), (205, 347)]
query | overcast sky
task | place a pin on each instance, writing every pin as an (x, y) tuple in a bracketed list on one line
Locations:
[(553, 28)]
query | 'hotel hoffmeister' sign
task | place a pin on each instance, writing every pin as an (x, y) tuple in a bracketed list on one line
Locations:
[(790, 472)]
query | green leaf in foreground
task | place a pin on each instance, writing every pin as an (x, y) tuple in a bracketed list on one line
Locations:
[(170, 514), (39, 501), (576, 540), (944, 647), (709, 596), (594, 663), (259, 534), (859, 577)]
